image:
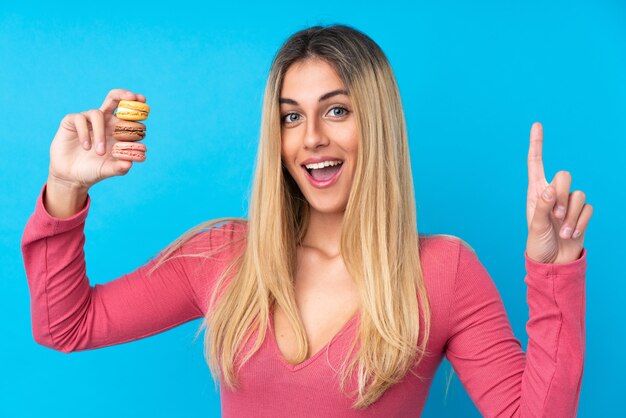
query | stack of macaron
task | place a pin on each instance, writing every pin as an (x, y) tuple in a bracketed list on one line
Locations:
[(128, 130)]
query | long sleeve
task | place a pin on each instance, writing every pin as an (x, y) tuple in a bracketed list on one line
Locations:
[(69, 315), (500, 378)]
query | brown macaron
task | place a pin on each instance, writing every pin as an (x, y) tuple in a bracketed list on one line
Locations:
[(129, 131)]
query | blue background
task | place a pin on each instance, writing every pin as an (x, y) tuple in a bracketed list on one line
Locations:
[(473, 76)]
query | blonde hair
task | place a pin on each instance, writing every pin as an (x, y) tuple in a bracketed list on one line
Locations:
[(379, 240)]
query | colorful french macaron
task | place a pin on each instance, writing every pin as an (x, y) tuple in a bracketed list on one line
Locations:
[(129, 131), (132, 110), (130, 151)]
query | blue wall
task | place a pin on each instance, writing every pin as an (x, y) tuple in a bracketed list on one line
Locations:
[(473, 76)]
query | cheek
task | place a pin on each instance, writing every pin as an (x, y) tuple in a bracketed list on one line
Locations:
[(350, 144), (286, 144), (350, 141), (287, 155), (284, 149)]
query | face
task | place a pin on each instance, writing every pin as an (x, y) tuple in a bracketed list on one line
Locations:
[(319, 134)]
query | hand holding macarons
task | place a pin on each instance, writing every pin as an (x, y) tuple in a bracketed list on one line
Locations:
[(96, 144)]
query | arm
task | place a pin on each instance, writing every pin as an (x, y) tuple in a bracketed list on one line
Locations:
[(69, 315), (500, 378)]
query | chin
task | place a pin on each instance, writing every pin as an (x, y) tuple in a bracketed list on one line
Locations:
[(328, 207)]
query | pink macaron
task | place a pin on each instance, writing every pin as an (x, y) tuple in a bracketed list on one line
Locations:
[(129, 151)]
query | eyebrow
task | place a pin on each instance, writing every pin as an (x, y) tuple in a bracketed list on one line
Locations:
[(284, 100)]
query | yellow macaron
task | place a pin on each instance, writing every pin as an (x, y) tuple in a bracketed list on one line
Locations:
[(132, 110)]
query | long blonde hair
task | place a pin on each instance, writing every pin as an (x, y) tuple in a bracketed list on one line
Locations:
[(379, 240)]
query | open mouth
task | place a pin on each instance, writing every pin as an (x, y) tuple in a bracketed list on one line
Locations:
[(323, 171)]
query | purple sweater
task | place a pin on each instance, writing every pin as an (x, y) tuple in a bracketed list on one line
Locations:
[(469, 326)]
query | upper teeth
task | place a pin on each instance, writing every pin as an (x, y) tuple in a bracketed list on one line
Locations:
[(322, 164)]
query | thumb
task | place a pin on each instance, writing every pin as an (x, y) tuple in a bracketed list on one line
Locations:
[(545, 205), (116, 168)]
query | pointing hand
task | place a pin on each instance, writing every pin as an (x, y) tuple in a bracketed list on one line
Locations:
[(557, 218)]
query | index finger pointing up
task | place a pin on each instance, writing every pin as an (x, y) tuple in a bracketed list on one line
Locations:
[(113, 98), (535, 158)]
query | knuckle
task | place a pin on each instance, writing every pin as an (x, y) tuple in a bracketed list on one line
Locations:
[(579, 195), (116, 93), (68, 121), (96, 113), (68, 118)]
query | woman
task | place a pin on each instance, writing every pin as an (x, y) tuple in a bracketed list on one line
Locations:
[(325, 302)]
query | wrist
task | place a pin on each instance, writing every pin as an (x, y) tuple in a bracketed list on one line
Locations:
[(63, 199), (66, 185)]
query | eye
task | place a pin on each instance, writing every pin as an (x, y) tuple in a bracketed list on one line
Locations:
[(338, 111), (290, 118)]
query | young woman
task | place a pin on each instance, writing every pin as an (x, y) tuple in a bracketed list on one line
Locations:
[(325, 301)]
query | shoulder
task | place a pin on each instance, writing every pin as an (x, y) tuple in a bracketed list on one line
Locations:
[(454, 276), (224, 231), (211, 247), (446, 249), (215, 236), (445, 260), (453, 265), (218, 239)]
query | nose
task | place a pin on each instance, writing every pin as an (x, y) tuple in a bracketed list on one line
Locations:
[(314, 137)]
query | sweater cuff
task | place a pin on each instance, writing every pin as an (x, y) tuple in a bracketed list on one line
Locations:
[(43, 219), (573, 268)]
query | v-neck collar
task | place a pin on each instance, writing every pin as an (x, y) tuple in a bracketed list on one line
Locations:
[(296, 367)]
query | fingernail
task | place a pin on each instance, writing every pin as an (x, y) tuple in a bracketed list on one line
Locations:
[(576, 234), (547, 195), (86, 144), (101, 148), (566, 232), (560, 212)]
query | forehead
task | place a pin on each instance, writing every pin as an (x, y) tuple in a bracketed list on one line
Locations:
[(311, 77)]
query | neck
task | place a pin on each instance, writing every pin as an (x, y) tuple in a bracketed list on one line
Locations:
[(324, 232)]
